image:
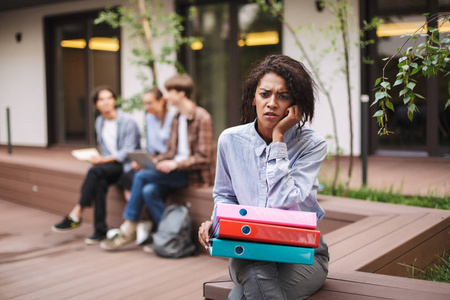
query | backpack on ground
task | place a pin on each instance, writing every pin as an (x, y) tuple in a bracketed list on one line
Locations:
[(174, 235)]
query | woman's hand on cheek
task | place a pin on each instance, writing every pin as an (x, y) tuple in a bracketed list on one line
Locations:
[(293, 117)]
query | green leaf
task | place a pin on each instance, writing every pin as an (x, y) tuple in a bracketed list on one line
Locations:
[(412, 107), (398, 81), (403, 58), (379, 113), (405, 67), (406, 99), (416, 70), (419, 96), (390, 105), (386, 85), (414, 65), (411, 85), (380, 95), (378, 81), (410, 116), (402, 92), (447, 104)]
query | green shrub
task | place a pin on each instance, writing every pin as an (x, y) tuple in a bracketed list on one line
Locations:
[(391, 196)]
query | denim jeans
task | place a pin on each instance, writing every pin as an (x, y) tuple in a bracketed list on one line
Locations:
[(151, 187), (276, 281), (94, 189)]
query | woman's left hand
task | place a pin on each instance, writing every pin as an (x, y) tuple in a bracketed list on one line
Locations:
[(293, 117), (203, 233)]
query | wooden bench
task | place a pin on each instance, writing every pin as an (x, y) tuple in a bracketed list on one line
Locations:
[(379, 240), (51, 180), (354, 286)]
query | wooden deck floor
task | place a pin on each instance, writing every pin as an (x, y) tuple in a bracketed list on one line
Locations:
[(36, 263)]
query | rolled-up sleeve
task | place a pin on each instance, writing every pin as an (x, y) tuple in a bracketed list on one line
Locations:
[(291, 181)]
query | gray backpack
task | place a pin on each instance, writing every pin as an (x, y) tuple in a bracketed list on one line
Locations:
[(174, 235)]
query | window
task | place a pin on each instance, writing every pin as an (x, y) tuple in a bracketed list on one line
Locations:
[(233, 35)]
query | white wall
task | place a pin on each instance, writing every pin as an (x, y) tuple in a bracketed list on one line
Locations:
[(303, 13), (22, 69)]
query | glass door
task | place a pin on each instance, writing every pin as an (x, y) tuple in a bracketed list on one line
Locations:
[(80, 56), (233, 35)]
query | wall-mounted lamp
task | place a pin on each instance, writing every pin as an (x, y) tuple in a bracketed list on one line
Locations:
[(18, 37), (320, 5)]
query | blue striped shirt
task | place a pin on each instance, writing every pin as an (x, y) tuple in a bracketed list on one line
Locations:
[(278, 175), (158, 135)]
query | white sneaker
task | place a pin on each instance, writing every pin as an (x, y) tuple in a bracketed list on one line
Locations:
[(112, 233), (143, 231)]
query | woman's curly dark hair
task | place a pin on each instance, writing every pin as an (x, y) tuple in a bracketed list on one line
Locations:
[(298, 80)]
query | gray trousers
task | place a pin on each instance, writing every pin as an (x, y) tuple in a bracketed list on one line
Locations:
[(270, 280)]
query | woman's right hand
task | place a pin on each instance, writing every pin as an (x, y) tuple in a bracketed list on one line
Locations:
[(203, 233), (293, 116)]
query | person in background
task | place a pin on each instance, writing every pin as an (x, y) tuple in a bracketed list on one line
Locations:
[(158, 119), (273, 162), (117, 134), (187, 161)]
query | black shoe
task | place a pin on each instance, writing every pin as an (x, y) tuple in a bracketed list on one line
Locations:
[(66, 224), (96, 238)]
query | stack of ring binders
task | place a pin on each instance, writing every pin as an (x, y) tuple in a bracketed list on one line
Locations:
[(260, 233)]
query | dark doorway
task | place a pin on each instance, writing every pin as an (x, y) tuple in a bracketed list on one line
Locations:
[(79, 57)]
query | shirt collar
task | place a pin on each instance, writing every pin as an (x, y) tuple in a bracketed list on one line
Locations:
[(260, 144)]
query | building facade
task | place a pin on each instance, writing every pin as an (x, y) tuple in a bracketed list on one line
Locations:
[(52, 55)]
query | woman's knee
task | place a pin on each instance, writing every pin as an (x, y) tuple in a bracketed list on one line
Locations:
[(242, 270)]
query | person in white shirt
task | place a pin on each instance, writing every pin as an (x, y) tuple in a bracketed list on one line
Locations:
[(117, 134)]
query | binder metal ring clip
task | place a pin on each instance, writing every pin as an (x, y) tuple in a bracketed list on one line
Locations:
[(246, 229), (239, 250)]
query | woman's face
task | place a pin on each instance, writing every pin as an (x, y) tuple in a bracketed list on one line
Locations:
[(152, 105), (272, 99), (105, 102)]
